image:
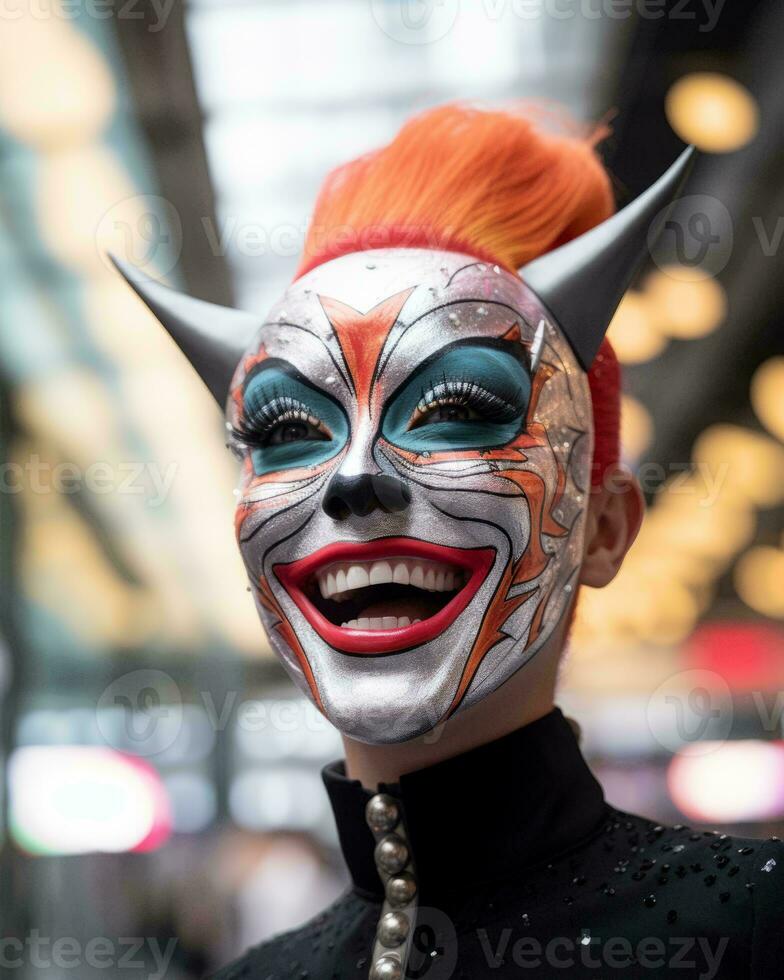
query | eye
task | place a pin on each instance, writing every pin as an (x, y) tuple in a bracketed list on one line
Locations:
[(470, 397), (293, 432), (462, 400), (280, 421), (445, 413)]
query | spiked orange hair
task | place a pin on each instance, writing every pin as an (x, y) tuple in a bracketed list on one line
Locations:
[(493, 184)]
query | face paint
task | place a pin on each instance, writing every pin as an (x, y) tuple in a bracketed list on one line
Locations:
[(413, 493), (417, 444)]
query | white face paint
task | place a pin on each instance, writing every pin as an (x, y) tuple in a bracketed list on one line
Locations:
[(413, 495)]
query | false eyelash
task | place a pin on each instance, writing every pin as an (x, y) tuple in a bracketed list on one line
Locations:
[(464, 391), (259, 421)]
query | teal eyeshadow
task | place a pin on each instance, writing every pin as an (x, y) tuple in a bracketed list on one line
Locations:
[(496, 371), (273, 383)]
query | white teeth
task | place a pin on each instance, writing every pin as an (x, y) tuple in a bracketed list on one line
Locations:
[(379, 623), (340, 579), (380, 573), (357, 577)]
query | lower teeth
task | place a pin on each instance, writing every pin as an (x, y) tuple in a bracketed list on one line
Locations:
[(380, 623)]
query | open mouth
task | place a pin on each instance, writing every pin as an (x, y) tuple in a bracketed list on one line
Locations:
[(384, 595)]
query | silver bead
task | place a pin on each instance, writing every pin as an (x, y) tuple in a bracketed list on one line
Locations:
[(387, 968), (391, 854), (382, 814), (401, 889), (393, 929)]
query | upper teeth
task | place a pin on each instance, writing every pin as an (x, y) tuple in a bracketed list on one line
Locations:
[(422, 574)]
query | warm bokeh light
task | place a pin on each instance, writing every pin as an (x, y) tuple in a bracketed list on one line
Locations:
[(737, 782), (759, 580), (632, 331), (87, 204), (56, 89), (713, 111), (714, 531), (767, 395), (744, 463), (685, 308), (636, 427)]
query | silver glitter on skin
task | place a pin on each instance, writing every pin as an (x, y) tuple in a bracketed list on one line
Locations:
[(505, 498)]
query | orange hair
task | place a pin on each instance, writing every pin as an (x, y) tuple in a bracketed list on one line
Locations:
[(493, 184)]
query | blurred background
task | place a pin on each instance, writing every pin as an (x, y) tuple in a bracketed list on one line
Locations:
[(162, 776)]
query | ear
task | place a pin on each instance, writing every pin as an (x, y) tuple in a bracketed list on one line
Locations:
[(615, 513)]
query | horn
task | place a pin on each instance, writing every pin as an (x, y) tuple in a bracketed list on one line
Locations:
[(212, 337), (582, 282)]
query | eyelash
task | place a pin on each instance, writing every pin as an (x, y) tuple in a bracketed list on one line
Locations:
[(259, 422), (467, 393)]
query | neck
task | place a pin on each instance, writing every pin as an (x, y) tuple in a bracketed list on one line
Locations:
[(527, 696)]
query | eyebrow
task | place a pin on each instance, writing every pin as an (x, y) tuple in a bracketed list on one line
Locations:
[(517, 314), (286, 367), (322, 340)]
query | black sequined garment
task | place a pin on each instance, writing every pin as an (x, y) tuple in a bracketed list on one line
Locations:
[(523, 870)]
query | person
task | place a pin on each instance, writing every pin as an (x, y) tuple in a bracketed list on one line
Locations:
[(428, 428)]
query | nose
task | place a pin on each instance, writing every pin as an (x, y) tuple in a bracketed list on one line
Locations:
[(363, 493)]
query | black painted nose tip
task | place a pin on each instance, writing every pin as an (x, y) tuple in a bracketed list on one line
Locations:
[(362, 494)]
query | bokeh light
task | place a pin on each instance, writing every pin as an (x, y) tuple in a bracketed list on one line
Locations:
[(759, 580), (685, 308), (737, 782), (636, 427), (767, 395), (748, 464), (712, 111), (633, 332)]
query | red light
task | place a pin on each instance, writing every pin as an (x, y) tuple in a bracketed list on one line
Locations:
[(749, 656)]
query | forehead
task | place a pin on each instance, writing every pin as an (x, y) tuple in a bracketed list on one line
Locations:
[(372, 317), (363, 280)]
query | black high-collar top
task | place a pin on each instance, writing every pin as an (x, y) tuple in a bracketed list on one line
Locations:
[(524, 870), (483, 816)]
